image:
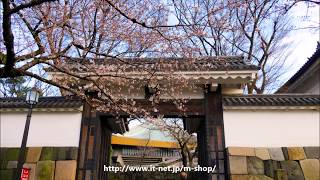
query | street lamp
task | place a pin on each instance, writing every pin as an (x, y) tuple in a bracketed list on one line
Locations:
[(32, 96), (32, 99)]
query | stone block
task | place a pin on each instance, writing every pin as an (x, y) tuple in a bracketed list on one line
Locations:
[(61, 153), (33, 154), (250, 177), (73, 153), (238, 165), (66, 153), (312, 152), (48, 153), (12, 154), (262, 153), (12, 164), (259, 177), (241, 151), (255, 165), (2, 153), (311, 169), (3, 164), (285, 153), (296, 153), (280, 174), (239, 177), (45, 170), (6, 174), (270, 166), (3, 160), (276, 154), (32, 167), (65, 170), (292, 169)]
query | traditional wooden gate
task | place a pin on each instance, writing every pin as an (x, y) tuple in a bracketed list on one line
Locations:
[(209, 78), (204, 117)]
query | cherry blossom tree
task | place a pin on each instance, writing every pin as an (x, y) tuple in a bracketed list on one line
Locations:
[(72, 36), (51, 34), (174, 128)]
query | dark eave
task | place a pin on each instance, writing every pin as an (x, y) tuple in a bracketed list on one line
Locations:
[(44, 102), (272, 100)]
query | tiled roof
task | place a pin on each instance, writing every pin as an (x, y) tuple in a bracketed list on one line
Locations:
[(272, 100), (241, 100), (214, 63), (44, 102)]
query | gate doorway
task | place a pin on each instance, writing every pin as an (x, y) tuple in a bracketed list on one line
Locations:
[(204, 118)]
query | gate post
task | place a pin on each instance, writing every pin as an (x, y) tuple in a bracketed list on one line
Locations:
[(211, 140), (86, 157)]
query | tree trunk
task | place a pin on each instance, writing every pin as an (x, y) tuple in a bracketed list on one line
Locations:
[(184, 157), (190, 162)]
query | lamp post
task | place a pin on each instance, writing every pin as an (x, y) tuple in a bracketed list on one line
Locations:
[(32, 98)]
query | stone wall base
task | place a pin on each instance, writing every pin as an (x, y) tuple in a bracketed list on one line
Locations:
[(45, 163), (274, 163), (60, 163)]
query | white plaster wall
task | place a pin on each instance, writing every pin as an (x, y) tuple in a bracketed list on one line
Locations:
[(46, 129), (276, 128)]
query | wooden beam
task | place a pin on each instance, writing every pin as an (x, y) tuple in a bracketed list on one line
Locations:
[(211, 136), (169, 108)]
